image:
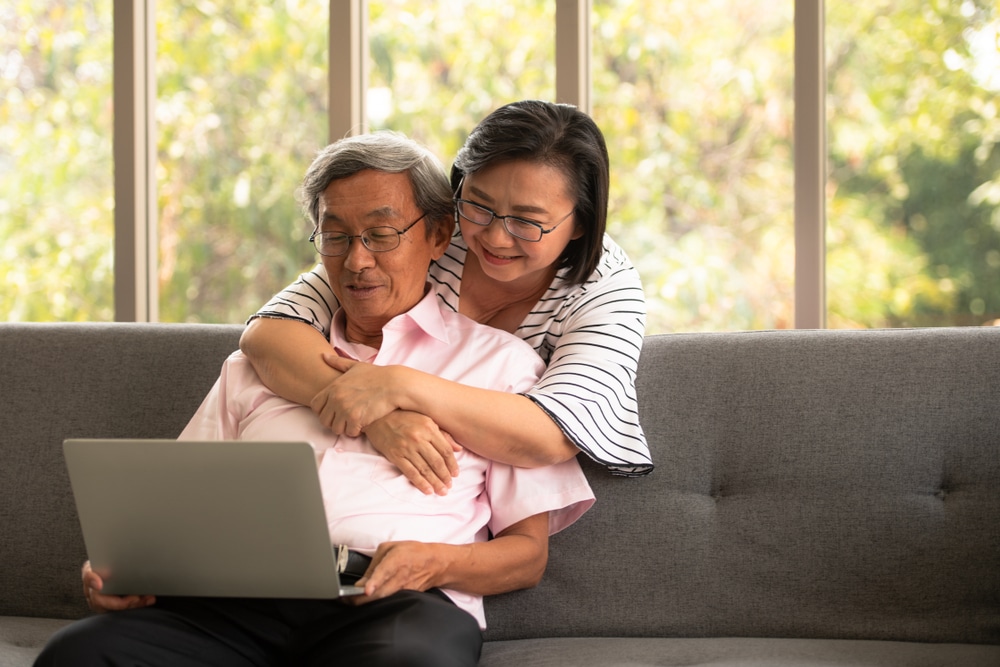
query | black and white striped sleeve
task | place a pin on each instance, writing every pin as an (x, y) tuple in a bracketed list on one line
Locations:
[(588, 387), (309, 299)]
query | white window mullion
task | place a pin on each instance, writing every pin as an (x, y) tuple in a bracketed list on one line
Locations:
[(135, 246), (348, 67), (810, 165), (573, 53)]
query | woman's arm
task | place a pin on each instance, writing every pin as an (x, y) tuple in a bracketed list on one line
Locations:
[(585, 400), (288, 357), (285, 338), (514, 559), (504, 427), (497, 425)]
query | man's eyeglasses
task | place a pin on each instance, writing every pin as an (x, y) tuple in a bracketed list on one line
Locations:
[(376, 239), (522, 228)]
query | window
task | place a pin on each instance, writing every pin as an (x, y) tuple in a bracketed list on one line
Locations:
[(700, 101)]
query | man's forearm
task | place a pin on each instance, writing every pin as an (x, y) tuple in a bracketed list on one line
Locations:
[(509, 562), (515, 559)]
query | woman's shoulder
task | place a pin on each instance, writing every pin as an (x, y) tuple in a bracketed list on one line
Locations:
[(614, 256), (614, 272), (613, 288)]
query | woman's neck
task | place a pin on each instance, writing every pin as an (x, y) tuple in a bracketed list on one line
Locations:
[(503, 305)]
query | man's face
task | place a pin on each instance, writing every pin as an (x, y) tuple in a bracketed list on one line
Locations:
[(374, 287)]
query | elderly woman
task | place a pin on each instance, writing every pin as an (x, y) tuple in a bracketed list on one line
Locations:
[(530, 257)]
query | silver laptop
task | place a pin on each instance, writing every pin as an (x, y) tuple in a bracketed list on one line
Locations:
[(211, 518)]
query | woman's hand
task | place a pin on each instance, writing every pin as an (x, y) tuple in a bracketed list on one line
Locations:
[(100, 603), (362, 400), (361, 395), (413, 443)]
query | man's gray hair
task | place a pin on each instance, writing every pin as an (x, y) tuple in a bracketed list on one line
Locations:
[(385, 151)]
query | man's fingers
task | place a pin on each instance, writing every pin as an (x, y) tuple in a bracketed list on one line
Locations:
[(435, 471), (102, 603), (443, 462), (380, 584), (455, 447), (352, 427)]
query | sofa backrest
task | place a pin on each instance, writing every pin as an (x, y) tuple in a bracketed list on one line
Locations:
[(825, 484), (90, 381)]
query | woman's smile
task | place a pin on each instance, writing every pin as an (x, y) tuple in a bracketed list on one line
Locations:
[(495, 258)]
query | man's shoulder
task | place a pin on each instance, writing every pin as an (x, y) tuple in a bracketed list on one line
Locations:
[(239, 375), (494, 348), (464, 330)]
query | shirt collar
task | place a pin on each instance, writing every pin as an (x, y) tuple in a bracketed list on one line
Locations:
[(424, 316)]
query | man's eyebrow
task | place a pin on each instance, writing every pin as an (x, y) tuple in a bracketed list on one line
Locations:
[(518, 208), (383, 213)]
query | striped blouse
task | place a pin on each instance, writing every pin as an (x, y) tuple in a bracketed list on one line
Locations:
[(589, 336)]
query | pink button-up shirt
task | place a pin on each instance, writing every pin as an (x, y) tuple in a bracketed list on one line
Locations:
[(368, 500)]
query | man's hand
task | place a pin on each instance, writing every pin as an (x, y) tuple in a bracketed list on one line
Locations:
[(397, 566), (100, 603), (512, 560), (413, 443)]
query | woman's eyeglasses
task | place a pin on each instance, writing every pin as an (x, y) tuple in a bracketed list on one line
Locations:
[(522, 228)]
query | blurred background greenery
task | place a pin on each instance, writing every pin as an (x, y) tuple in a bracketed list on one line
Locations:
[(694, 97)]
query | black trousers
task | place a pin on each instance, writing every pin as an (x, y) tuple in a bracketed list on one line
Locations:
[(406, 629)]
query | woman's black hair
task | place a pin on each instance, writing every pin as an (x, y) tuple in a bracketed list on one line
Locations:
[(560, 136)]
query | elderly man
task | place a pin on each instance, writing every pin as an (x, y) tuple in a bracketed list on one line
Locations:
[(382, 211)]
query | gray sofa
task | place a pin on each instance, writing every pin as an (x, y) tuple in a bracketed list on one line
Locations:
[(821, 497)]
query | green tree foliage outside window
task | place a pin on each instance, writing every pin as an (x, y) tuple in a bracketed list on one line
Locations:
[(914, 168), (439, 68), (695, 99), (56, 178), (241, 111)]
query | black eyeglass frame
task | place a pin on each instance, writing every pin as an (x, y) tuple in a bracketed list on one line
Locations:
[(363, 236), (504, 218)]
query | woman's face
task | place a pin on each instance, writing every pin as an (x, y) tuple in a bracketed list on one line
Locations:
[(528, 190)]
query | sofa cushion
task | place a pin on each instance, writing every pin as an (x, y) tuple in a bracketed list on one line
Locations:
[(22, 639), (731, 652)]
